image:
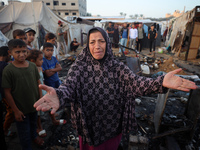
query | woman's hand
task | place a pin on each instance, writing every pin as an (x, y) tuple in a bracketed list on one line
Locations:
[(48, 101), (174, 82)]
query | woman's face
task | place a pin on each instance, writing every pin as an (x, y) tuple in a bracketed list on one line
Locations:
[(97, 45)]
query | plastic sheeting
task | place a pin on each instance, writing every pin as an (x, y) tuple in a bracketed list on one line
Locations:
[(3, 40), (24, 15)]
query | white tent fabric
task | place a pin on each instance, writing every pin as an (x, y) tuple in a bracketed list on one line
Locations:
[(128, 21), (3, 40), (28, 14)]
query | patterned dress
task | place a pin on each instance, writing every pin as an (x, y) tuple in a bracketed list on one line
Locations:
[(102, 95)]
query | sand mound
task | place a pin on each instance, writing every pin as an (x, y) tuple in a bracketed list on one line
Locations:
[(169, 65)]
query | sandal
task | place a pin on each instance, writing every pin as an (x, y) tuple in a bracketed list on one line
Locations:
[(39, 141), (42, 133), (61, 122)]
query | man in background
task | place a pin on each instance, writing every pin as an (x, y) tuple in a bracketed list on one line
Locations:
[(60, 38)]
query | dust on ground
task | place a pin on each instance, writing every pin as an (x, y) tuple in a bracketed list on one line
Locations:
[(169, 65)]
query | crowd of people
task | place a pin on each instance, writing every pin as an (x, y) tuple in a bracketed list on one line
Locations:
[(100, 89), (132, 34), (22, 69)]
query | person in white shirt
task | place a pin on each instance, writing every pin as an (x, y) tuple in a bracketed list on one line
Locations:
[(133, 35)]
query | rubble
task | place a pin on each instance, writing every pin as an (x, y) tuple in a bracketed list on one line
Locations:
[(169, 65)]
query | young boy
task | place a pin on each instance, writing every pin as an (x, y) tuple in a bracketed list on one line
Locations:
[(4, 58), (51, 38), (51, 67), (30, 33), (20, 34), (9, 118), (20, 82)]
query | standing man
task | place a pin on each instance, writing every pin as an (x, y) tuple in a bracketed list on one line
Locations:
[(124, 36), (152, 35), (116, 36), (133, 35), (140, 37), (60, 38), (110, 31)]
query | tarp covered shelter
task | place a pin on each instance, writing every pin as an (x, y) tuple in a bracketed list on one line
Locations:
[(3, 40), (38, 16), (184, 34)]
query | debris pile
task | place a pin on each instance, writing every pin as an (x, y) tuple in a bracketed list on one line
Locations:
[(168, 66)]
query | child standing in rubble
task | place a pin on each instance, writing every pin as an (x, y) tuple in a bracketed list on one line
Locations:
[(51, 67), (36, 57), (20, 81)]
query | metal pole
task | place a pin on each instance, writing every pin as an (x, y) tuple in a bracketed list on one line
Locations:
[(35, 26)]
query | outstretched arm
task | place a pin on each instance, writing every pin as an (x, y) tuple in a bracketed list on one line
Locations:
[(174, 82), (139, 85)]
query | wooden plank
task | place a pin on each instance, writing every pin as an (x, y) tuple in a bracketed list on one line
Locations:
[(196, 35), (196, 30), (194, 46), (159, 110), (192, 54), (195, 42)]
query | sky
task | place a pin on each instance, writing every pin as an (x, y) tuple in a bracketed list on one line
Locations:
[(149, 8)]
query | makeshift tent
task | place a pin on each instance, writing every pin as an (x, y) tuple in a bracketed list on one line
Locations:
[(37, 15), (184, 34), (3, 40)]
